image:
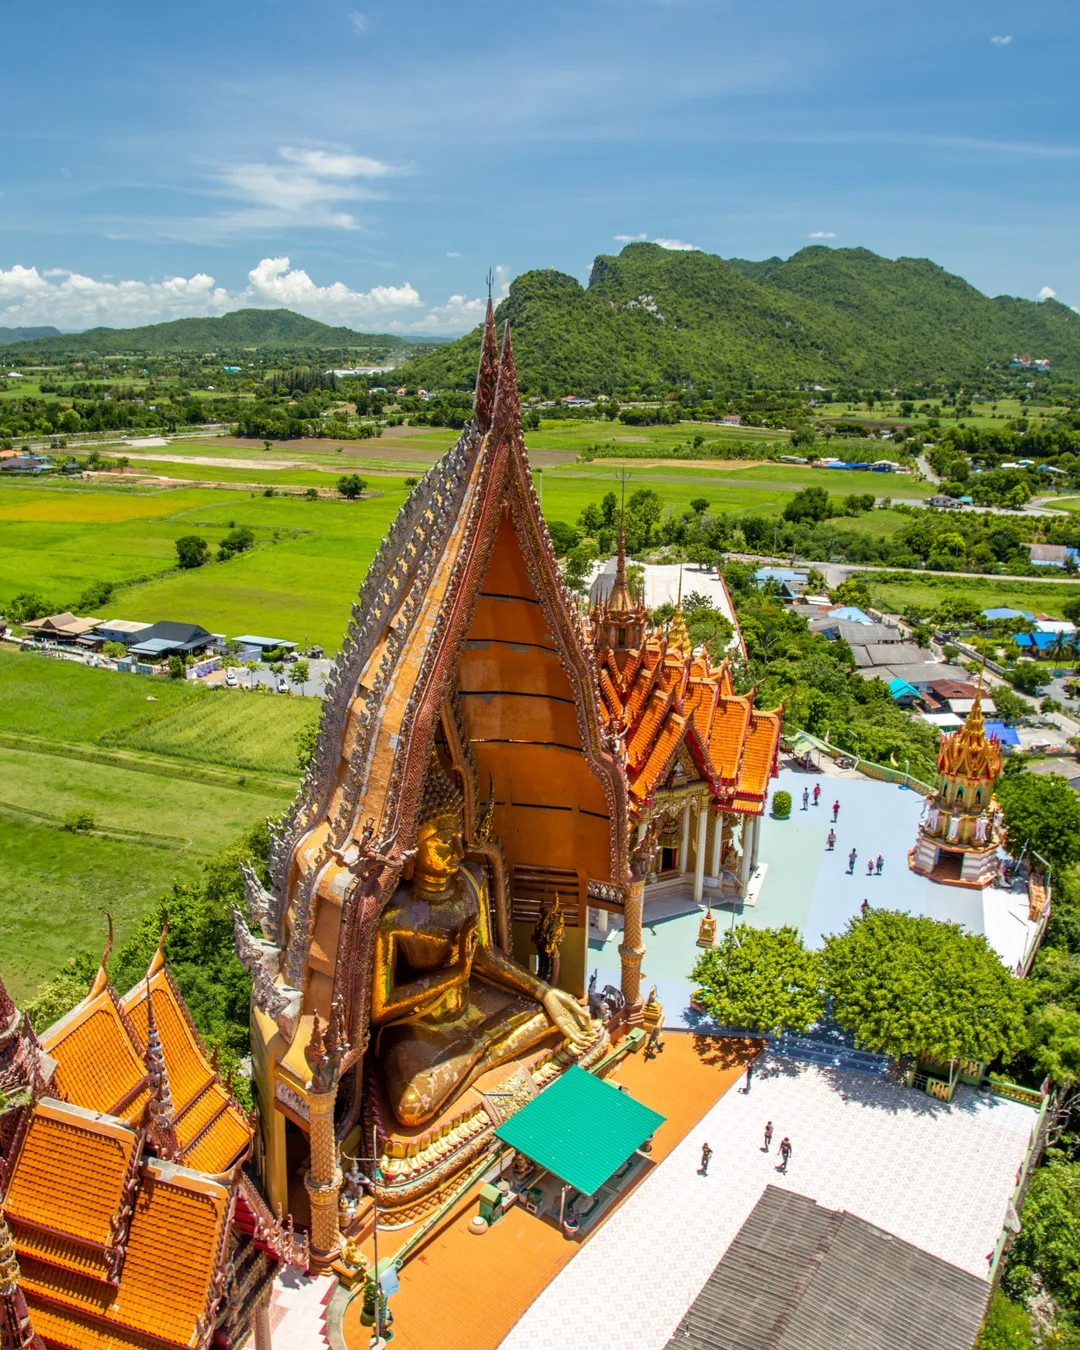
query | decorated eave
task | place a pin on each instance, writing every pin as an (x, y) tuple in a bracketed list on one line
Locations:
[(340, 849)]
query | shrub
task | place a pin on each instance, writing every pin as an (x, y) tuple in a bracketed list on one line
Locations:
[(781, 805), (79, 821)]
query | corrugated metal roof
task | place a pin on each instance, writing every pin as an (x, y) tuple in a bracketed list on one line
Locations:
[(580, 1128), (801, 1277)]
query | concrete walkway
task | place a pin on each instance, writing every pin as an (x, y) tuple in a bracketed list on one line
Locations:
[(939, 1176)]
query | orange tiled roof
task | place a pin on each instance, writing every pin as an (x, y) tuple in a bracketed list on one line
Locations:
[(700, 703), (97, 1065), (68, 1177), (172, 1247), (213, 1133), (648, 727), (612, 702), (759, 755), (659, 761), (727, 735), (68, 1330)]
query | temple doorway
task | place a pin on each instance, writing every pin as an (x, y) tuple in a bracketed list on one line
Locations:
[(949, 865), (669, 860), (297, 1155)]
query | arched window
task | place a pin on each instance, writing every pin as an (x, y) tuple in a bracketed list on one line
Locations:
[(959, 792), (978, 795), (622, 637)]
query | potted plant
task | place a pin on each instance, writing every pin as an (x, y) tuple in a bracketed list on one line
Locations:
[(781, 805)]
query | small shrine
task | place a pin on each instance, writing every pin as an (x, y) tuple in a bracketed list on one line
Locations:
[(961, 827)]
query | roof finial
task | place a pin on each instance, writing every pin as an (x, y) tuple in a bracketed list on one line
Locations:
[(486, 375), (9, 1014), (101, 979), (162, 1126), (158, 959)]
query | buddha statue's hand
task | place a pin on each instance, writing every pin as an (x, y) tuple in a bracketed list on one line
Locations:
[(568, 1015)]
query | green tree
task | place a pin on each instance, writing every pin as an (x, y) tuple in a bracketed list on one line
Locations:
[(1006, 1326), (1029, 677), (1043, 812), (312, 494), (299, 673), (577, 566), (811, 503), (854, 591), (27, 606), (351, 485), (762, 979), (306, 739), (1046, 1252), (1053, 1026), (908, 985), (699, 504), (643, 511), (115, 651), (238, 540), (191, 551), (176, 667)]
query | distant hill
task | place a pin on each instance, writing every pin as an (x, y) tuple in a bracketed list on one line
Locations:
[(24, 334), (264, 329), (652, 317)]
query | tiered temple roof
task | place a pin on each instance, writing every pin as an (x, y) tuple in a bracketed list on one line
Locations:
[(129, 1229), (663, 696), (968, 752)]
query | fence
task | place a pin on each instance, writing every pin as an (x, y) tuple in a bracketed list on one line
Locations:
[(883, 772), (1036, 1144)]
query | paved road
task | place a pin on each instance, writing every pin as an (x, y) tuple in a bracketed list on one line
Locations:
[(841, 571), (252, 679)]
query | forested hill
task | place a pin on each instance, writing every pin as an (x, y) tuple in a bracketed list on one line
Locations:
[(274, 329), (652, 318), (26, 334)]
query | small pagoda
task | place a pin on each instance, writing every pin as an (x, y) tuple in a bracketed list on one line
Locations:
[(961, 827)]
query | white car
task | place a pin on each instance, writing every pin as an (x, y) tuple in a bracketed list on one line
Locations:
[(282, 685), (230, 679)]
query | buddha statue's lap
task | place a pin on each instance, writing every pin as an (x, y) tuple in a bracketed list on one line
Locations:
[(447, 1003)]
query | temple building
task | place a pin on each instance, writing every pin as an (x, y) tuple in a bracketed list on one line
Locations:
[(126, 1218), (699, 757), (487, 754), (961, 829)]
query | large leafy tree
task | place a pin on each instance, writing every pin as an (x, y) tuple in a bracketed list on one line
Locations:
[(763, 979), (1053, 1026), (1047, 1250), (904, 984), (1043, 812)]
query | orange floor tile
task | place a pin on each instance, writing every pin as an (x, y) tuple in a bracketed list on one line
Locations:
[(463, 1292)]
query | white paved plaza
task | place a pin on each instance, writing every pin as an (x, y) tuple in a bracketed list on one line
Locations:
[(939, 1176)]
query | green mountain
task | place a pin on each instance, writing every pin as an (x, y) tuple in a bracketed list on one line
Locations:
[(25, 334), (652, 318), (265, 329)]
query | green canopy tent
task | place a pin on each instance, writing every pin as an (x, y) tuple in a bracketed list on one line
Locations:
[(580, 1129)]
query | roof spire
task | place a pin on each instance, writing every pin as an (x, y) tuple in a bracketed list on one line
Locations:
[(678, 633), (619, 600), (162, 1125), (15, 1329), (484, 401), (9, 1014), (101, 979), (506, 414)]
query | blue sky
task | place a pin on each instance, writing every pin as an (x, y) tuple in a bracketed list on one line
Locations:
[(367, 165)]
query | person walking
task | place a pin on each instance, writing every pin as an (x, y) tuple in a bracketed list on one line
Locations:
[(806, 799), (830, 840), (817, 792), (870, 868), (706, 1154), (768, 1136), (835, 811), (880, 864), (864, 907), (851, 862), (749, 1076), (785, 1154)]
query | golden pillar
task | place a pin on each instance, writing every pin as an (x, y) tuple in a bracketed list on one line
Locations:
[(632, 949), (323, 1178), (262, 1324)]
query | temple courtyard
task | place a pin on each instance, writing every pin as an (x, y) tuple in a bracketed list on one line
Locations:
[(805, 885)]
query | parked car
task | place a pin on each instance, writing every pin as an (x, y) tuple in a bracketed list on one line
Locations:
[(230, 678), (282, 685)]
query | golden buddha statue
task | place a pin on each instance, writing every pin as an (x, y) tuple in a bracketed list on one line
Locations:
[(447, 1002), (706, 936)]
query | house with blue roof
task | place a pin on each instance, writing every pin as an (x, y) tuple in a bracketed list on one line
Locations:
[(1035, 644), (1006, 613)]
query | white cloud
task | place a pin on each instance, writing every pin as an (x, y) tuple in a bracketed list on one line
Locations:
[(680, 245), (1001, 41), (822, 234), (459, 314), (308, 187), (1047, 293), (70, 300), (359, 21), (453, 255)]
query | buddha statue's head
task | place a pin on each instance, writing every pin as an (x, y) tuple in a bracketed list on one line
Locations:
[(439, 844)]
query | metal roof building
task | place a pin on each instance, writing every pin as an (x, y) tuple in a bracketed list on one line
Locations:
[(801, 1277)]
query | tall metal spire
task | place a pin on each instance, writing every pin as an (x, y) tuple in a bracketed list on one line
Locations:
[(162, 1126), (619, 600), (506, 414)]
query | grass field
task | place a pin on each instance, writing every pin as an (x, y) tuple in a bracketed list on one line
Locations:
[(172, 772), (987, 592)]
